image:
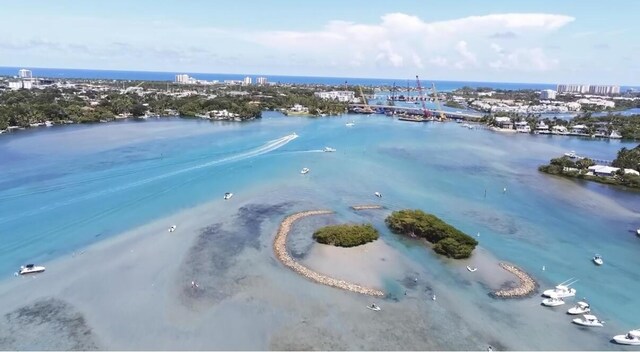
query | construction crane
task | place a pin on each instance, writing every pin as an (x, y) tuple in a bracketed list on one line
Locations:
[(435, 99), (425, 112), (366, 109)]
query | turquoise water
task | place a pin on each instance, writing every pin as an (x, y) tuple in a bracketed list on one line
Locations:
[(63, 188)]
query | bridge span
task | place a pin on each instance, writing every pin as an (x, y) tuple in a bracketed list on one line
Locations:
[(417, 111)]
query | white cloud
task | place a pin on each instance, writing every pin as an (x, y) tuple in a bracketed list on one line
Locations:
[(533, 59)]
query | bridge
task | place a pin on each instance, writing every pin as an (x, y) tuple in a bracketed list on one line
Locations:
[(417, 111)]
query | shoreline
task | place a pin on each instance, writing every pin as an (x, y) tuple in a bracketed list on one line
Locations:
[(366, 207), (280, 250), (526, 288)]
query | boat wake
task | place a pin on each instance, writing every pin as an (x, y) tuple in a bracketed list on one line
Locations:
[(264, 149)]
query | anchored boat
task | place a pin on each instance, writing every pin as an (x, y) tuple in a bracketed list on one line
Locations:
[(30, 269), (562, 290), (580, 308), (228, 195), (589, 320), (304, 171), (631, 338)]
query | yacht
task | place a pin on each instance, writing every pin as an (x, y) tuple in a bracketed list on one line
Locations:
[(374, 307), (597, 259), (172, 228), (553, 301), (304, 171), (580, 308), (589, 320), (631, 338), (471, 269), (228, 195), (562, 290), (328, 150), (30, 269), (378, 194)]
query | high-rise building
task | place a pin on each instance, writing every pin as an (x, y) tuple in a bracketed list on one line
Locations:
[(183, 78), (573, 88), (261, 80), (247, 81), (548, 94), (606, 90), (585, 88), (24, 73)]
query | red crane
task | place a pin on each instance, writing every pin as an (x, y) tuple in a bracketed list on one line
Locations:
[(425, 112)]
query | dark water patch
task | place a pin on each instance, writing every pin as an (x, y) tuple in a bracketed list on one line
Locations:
[(50, 324), (439, 162), (250, 218)]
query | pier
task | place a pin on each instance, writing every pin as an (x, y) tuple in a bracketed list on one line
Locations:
[(383, 109)]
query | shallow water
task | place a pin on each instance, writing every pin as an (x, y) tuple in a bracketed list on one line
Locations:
[(64, 188)]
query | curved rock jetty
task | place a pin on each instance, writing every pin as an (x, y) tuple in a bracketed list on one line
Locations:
[(527, 284), (366, 207), (280, 249)]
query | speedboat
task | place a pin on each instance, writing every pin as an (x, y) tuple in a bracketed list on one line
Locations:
[(374, 307), (553, 301), (598, 259), (580, 308), (350, 124), (304, 171), (172, 228), (589, 320), (228, 195), (631, 338), (571, 154), (30, 269), (562, 290), (471, 269), (378, 194), (638, 232), (328, 150)]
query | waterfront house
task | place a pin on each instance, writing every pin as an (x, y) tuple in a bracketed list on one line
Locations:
[(523, 127), (557, 129), (603, 170), (542, 128), (579, 129), (503, 122)]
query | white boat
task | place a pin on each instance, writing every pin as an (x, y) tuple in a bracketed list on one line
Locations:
[(172, 228), (350, 124), (374, 307), (597, 259), (638, 232), (304, 171), (228, 195), (48, 123), (562, 290), (571, 154), (588, 320), (580, 308), (471, 269), (378, 194), (328, 150), (30, 269), (553, 301), (631, 338)]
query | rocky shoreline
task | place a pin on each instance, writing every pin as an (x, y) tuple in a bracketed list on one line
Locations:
[(527, 284), (366, 207), (280, 250)]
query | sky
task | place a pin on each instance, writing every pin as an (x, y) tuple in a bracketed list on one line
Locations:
[(537, 41)]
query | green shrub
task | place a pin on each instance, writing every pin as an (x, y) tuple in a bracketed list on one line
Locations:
[(447, 239), (346, 235)]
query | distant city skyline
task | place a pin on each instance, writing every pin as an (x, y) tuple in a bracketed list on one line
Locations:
[(571, 42)]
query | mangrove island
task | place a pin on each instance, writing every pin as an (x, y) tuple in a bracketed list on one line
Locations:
[(346, 235)]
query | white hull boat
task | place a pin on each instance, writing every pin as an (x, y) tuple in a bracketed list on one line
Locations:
[(638, 232), (589, 320), (350, 124), (631, 338), (374, 308), (562, 290), (172, 228), (328, 150), (377, 194), (304, 171), (579, 308), (30, 269), (471, 269), (598, 260), (553, 302), (228, 195)]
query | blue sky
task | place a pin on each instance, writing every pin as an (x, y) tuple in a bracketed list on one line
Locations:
[(492, 40)]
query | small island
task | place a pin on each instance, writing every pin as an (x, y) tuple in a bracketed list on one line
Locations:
[(624, 170), (446, 239), (346, 235)]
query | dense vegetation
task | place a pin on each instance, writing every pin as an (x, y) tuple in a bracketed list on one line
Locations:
[(346, 235), (626, 159), (446, 239)]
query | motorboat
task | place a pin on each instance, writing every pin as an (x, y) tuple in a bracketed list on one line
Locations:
[(638, 232), (580, 308), (48, 123), (597, 259), (228, 195), (172, 228), (471, 269), (589, 320), (378, 194), (562, 290), (328, 150), (553, 301), (571, 154), (433, 297), (30, 269), (374, 307), (304, 171), (350, 124), (631, 338)]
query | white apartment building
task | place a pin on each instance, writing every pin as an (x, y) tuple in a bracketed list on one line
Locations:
[(344, 96), (184, 79), (24, 73), (548, 94), (261, 80), (573, 88), (605, 90), (247, 81)]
